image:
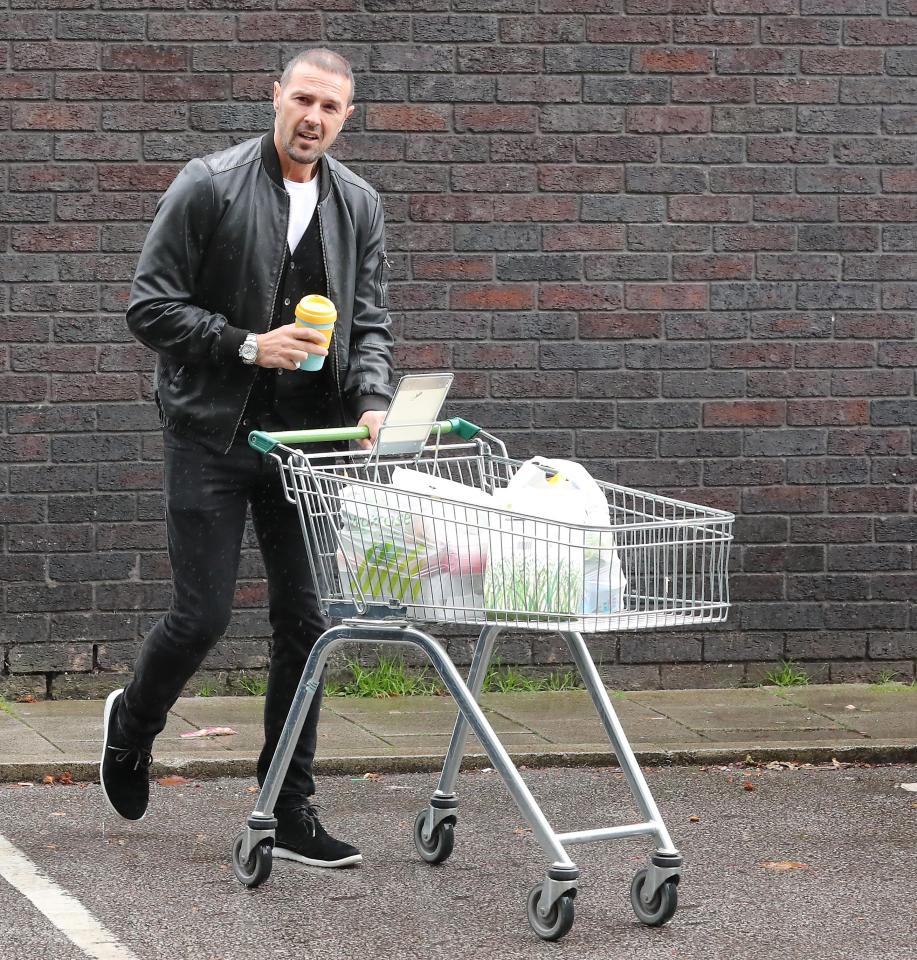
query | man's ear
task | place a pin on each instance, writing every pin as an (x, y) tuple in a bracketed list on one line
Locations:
[(277, 91), (348, 114)]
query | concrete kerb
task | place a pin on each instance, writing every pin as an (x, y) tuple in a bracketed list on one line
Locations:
[(877, 752)]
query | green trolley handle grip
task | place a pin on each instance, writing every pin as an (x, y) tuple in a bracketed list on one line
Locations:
[(265, 442)]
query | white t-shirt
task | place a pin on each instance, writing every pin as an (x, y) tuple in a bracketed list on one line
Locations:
[(303, 201)]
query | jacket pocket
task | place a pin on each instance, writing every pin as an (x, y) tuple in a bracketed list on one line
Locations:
[(382, 272)]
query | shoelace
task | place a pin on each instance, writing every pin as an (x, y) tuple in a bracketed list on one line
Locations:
[(309, 813), (142, 758)]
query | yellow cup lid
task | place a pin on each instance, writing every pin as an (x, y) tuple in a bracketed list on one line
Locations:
[(316, 309)]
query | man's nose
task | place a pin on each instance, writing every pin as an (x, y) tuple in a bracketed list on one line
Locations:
[(313, 117)]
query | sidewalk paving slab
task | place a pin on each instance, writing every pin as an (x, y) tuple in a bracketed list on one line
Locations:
[(815, 723)]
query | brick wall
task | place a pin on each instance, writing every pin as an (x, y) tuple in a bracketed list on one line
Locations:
[(672, 238)]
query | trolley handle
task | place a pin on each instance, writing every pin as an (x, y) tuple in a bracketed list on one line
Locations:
[(265, 442)]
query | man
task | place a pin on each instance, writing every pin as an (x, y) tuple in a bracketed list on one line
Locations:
[(238, 238)]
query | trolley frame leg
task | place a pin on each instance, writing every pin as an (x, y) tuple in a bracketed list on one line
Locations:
[(666, 861), (444, 804), (261, 822)]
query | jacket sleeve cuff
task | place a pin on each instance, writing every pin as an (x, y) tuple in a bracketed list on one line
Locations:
[(368, 401), (227, 347)]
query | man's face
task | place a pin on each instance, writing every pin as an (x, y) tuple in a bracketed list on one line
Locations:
[(309, 112)]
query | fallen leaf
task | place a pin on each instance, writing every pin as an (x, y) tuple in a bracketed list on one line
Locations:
[(748, 785), (784, 865), (521, 831), (910, 787), (694, 819), (254, 789), (47, 778), (208, 732), (25, 698), (367, 777), (837, 764), (850, 706), (59, 814), (65, 778), (24, 783), (173, 780)]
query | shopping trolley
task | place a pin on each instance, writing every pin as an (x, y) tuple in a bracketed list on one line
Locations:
[(370, 551)]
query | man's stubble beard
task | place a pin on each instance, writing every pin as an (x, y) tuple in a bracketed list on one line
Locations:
[(298, 156)]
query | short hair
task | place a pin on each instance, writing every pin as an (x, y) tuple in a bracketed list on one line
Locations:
[(324, 59)]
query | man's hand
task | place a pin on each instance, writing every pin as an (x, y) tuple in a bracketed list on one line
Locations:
[(372, 419), (287, 346)]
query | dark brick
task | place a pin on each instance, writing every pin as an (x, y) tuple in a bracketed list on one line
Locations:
[(626, 384), (454, 29), (868, 500), (743, 473), (758, 60), (41, 657), (672, 60), (780, 616), (832, 471), (599, 356), (101, 26), (561, 413), (52, 55), (650, 415), (795, 208), (668, 119), (892, 646), (738, 119), (731, 647), (539, 267), (520, 385), (41, 597), (497, 59), (410, 57), (717, 30), (539, 89), (893, 413), (539, 207), (622, 29)]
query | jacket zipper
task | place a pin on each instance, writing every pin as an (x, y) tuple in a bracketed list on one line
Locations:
[(286, 222), (334, 340)]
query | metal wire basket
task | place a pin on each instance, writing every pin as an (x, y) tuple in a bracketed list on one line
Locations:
[(393, 538)]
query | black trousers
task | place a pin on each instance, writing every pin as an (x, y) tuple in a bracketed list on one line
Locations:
[(207, 496)]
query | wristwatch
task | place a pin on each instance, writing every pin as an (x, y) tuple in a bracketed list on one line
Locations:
[(249, 349)]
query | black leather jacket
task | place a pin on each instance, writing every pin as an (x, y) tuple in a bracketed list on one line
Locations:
[(209, 274)]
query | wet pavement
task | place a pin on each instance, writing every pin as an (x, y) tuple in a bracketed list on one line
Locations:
[(809, 862)]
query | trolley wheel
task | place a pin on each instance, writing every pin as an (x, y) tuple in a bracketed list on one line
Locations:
[(558, 921), (257, 868), (439, 847), (663, 905)]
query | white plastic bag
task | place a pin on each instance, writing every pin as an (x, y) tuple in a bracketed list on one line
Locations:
[(547, 563), (417, 541), (380, 556)]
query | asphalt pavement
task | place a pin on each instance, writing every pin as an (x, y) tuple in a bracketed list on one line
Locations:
[(783, 861), (794, 808)]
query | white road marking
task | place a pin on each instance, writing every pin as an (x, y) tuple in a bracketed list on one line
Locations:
[(60, 907)]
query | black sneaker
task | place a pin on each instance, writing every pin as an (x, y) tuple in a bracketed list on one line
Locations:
[(302, 838), (123, 770)]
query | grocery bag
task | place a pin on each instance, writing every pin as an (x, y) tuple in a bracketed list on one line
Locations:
[(555, 559), (417, 541), (379, 554)]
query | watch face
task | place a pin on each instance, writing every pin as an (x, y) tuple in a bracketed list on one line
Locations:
[(249, 350)]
